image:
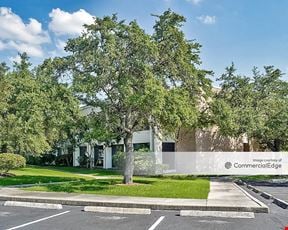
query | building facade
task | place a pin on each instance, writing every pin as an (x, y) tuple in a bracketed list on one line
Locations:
[(205, 140), (101, 154)]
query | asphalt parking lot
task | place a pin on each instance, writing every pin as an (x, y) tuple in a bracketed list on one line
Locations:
[(72, 217)]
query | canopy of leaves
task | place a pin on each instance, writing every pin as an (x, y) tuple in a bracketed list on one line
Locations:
[(34, 108), (256, 106), (136, 78)]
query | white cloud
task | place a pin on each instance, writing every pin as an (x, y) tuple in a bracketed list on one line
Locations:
[(16, 35), (59, 51), (34, 26), (31, 50), (195, 2), (13, 28), (60, 44), (206, 19), (2, 46), (65, 23)]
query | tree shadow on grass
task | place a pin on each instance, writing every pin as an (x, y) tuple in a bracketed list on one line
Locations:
[(79, 170), (90, 186), (179, 177), (22, 180)]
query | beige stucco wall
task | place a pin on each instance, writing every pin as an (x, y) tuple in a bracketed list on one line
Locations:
[(186, 141), (210, 140), (206, 140)]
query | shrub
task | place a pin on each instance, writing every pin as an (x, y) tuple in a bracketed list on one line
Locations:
[(10, 161), (83, 161), (48, 159), (64, 160), (119, 160), (144, 163), (33, 160), (45, 159)]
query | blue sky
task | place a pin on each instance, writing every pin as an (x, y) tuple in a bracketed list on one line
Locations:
[(247, 32)]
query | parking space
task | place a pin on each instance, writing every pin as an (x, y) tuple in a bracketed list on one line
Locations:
[(15, 216), (71, 217)]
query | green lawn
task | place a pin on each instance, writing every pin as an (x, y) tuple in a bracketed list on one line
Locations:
[(169, 187), (36, 174), (79, 180)]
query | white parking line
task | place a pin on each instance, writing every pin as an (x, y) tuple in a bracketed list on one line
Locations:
[(156, 223), (36, 221)]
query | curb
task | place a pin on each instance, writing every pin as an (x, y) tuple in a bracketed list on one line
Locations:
[(33, 205), (266, 195), (280, 203), (244, 215), (263, 207), (139, 211)]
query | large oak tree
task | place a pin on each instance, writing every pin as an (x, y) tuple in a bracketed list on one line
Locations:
[(135, 78)]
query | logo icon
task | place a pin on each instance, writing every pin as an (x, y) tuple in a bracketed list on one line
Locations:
[(228, 165)]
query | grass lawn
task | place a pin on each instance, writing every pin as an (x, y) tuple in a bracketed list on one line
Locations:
[(169, 187), (36, 174), (80, 180)]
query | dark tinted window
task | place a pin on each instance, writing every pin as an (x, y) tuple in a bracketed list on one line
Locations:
[(83, 150), (168, 147)]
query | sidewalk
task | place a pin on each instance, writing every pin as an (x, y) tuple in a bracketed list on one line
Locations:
[(223, 196)]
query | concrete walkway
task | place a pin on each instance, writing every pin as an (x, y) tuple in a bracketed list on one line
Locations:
[(223, 196)]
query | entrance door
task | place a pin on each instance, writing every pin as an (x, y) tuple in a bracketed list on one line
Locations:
[(168, 156), (98, 156)]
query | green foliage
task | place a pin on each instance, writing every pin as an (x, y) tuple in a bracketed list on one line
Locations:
[(84, 161), (144, 162), (45, 159), (35, 108), (10, 161), (119, 160), (134, 78), (256, 106), (61, 108), (64, 160)]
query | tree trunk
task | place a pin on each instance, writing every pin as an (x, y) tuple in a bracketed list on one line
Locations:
[(246, 147), (277, 145), (129, 160), (91, 157)]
